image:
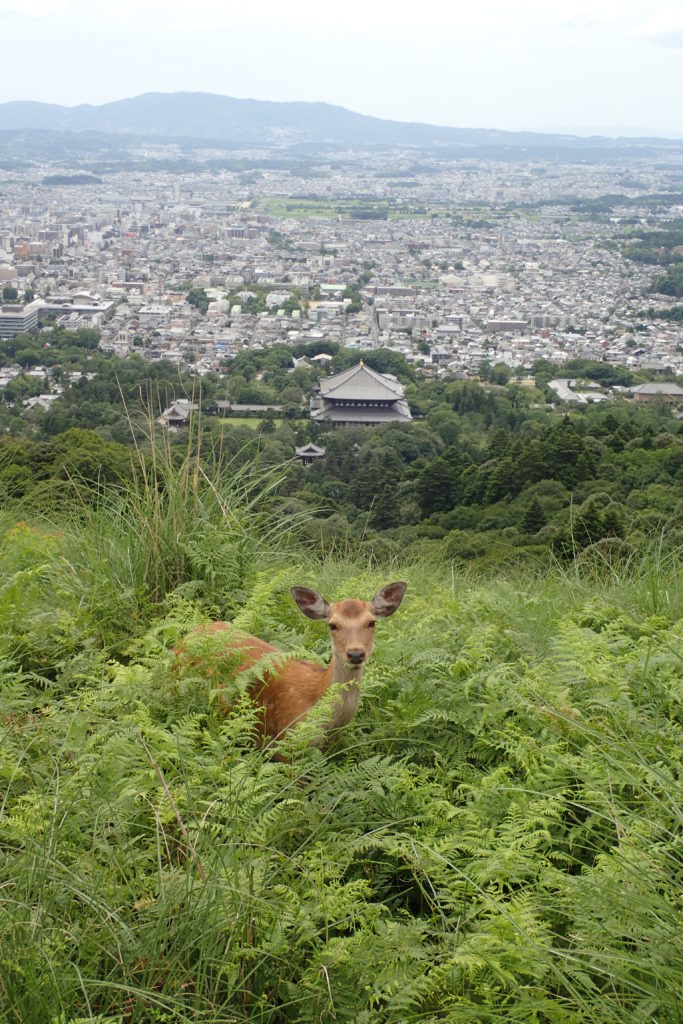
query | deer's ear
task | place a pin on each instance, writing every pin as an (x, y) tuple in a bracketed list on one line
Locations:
[(310, 602), (386, 601)]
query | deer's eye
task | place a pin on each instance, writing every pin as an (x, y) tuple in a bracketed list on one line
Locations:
[(333, 626), (371, 625)]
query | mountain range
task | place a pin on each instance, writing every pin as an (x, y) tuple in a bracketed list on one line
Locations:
[(194, 119)]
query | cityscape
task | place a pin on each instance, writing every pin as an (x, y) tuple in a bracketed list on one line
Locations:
[(453, 264)]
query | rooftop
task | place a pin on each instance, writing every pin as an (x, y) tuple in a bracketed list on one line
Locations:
[(362, 384)]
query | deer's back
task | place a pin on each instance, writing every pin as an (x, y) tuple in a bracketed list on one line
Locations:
[(285, 690)]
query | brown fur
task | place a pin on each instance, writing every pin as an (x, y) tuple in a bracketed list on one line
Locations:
[(288, 689)]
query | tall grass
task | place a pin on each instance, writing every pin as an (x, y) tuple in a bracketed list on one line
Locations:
[(107, 558), (496, 837)]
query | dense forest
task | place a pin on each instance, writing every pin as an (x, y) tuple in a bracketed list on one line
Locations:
[(488, 469)]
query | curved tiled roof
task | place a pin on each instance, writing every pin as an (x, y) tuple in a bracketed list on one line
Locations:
[(361, 383), (361, 416), (658, 388)]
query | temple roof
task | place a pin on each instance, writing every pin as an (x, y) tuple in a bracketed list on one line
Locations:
[(309, 449), (362, 384), (369, 414), (657, 388)]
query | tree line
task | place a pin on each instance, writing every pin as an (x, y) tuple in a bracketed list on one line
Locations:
[(482, 469)]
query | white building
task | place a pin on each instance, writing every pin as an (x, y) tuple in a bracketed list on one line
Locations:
[(19, 319)]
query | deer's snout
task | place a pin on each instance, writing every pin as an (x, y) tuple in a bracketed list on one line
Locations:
[(355, 655)]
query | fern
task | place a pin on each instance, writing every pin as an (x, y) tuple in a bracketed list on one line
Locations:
[(495, 837)]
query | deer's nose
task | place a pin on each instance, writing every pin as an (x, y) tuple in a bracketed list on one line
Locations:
[(355, 655)]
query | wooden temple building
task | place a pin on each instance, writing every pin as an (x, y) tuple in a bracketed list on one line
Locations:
[(360, 397)]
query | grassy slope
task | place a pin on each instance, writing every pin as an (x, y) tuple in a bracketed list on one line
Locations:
[(496, 837)]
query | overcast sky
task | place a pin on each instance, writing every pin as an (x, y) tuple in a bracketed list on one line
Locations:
[(579, 65)]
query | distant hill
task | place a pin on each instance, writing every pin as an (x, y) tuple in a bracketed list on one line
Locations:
[(232, 123)]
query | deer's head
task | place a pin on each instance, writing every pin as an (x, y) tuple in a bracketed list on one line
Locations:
[(352, 622)]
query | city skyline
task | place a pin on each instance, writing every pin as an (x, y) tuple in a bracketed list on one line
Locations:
[(601, 67)]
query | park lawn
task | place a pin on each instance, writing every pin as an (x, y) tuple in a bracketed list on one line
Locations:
[(255, 421)]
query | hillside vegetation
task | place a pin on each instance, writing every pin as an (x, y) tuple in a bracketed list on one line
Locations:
[(488, 469), (495, 837)]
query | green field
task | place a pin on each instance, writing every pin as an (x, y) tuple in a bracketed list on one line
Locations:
[(249, 421), (299, 209), (496, 837)]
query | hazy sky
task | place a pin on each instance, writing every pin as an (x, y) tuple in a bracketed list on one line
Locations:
[(534, 64)]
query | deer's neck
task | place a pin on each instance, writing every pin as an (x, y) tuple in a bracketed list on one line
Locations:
[(339, 671)]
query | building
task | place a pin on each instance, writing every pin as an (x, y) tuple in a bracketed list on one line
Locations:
[(507, 326), (153, 315), (308, 453), (19, 319), (83, 304), (40, 402), (360, 397), (178, 413), (241, 407), (654, 390)]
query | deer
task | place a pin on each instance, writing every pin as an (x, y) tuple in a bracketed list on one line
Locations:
[(286, 690)]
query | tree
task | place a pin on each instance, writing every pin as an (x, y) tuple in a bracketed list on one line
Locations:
[(670, 283), (500, 374), (587, 527), (499, 444), (9, 294), (436, 485), (502, 483), (375, 465), (268, 422), (612, 521), (565, 447), (21, 388), (543, 370), (291, 395), (83, 454), (534, 518), (484, 370), (236, 386), (198, 298), (386, 512), (444, 423)]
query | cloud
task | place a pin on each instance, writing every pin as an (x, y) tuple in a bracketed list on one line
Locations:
[(665, 28), (195, 26), (33, 9), (673, 39), (595, 13), (589, 13), (309, 16)]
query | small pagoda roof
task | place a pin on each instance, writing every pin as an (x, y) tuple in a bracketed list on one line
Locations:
[(310, 449), (361, 384), (178, 409)]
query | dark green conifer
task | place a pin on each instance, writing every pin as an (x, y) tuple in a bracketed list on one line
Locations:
[(534, 518)]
